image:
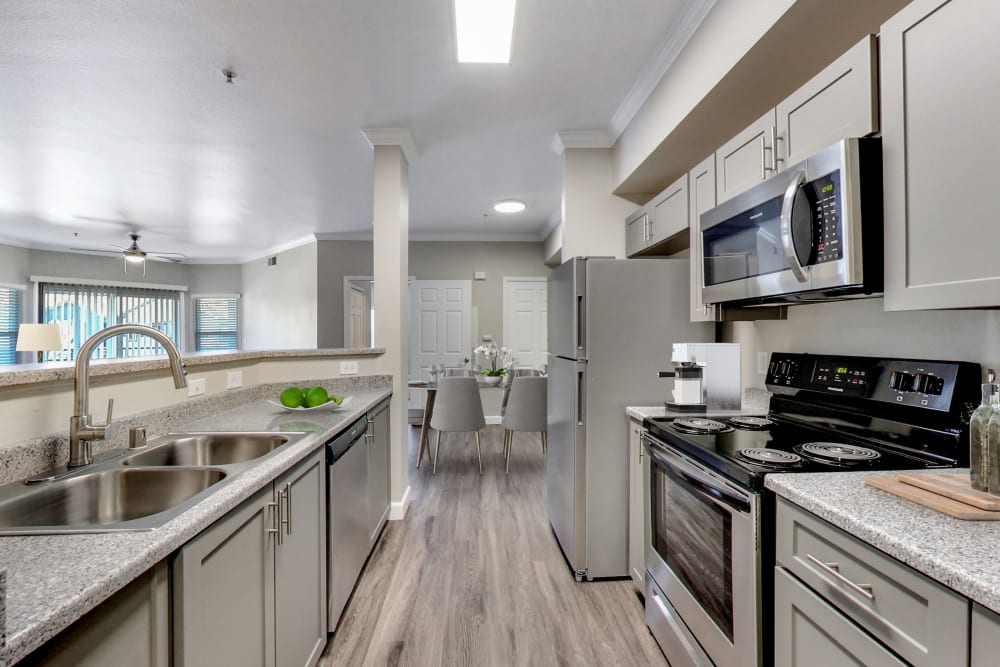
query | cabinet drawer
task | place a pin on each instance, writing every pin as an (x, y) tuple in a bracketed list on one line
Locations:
[(985, 637), (808, 631), (921, 620)]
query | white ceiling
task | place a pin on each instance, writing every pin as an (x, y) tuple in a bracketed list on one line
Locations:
[(119, 110)]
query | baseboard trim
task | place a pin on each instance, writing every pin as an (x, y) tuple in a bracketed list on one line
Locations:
[(397, 511), (494, 420)]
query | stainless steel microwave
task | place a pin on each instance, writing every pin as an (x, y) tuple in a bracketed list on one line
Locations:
[(812, 232)]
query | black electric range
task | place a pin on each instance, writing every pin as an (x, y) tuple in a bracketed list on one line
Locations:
[(836, 413)]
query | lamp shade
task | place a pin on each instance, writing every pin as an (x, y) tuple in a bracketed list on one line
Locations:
[(39, 338)]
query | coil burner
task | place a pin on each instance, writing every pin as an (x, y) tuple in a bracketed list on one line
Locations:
[(751, 423), (770, 457), (700, 426), (835, 452)]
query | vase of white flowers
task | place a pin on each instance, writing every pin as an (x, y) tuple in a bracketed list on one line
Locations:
[(497, 359)]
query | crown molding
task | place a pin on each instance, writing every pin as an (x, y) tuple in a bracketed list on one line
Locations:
[(284, 247), (685, 26), (554, 221), (344, 236), (581, 139), (16, 244), (392, 136), (480, 237)]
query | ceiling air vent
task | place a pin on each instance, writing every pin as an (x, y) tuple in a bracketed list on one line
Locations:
[(272, 260)]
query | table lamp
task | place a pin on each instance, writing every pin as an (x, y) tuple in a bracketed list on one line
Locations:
[(39, 338)]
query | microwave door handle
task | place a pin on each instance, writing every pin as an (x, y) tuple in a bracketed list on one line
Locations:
[(787, 242)]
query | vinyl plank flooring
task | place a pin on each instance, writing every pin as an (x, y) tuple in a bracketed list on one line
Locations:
[(473, 576)]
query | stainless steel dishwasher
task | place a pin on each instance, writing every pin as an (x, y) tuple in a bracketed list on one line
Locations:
[(348, 534)]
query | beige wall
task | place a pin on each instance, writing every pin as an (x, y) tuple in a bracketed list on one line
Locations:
[(337, 259), (280, 302), (593, 219)]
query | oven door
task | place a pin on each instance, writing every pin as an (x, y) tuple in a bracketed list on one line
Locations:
[(703, 554)]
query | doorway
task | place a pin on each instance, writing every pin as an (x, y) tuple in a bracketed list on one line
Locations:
[(525, 320)]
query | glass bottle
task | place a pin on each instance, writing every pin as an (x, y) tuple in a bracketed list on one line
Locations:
[(982, 431), (992, 476)]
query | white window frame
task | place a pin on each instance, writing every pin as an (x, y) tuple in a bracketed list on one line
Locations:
[(194, 317), (18, 356)]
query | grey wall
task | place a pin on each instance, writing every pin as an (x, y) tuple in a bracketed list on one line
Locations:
[(862, 327), (428, 260), (280, 302), (13, 265)]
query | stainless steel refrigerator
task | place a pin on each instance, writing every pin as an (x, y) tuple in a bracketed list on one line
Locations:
[(611, 323)]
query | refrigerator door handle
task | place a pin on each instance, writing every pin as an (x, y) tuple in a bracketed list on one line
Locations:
[(581, 399), (581, 322)]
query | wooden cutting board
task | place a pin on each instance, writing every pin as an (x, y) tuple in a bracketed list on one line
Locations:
[(957, 487), (932, 500)]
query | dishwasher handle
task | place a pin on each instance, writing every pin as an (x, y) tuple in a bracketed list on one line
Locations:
[(337, 447)]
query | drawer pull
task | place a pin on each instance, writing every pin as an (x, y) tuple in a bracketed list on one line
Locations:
[(833, 569)]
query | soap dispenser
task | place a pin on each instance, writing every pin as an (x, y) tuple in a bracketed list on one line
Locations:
[(984, 426)]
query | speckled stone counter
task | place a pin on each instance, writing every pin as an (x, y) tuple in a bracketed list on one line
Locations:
[(962, 555), (52, 580), (55, 371), (755, 402)]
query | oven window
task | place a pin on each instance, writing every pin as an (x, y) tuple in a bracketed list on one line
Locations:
[(694, 537), (745, 245)]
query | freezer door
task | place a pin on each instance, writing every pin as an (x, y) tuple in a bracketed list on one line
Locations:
[(566, 460), (567, 310)]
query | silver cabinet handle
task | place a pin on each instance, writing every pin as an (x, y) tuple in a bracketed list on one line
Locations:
[(286, 520), (276, 509), (764, 148), (787, 242), (774, 148), (833, 569), (641, 447)]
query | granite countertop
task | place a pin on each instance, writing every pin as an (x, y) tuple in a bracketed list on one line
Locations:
[(962, 555), (52, 580), (643, 412), (55, 371)]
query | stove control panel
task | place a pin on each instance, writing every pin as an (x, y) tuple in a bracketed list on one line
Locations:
[(933, 385)]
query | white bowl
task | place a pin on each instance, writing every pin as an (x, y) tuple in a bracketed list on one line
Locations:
[(329, 405)]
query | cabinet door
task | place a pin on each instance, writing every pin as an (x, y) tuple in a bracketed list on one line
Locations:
[(841, 101), (636, 525), (701, 184), (807, 631), (940, 147), (223, 586), (746, 159), (300, 564), (985, 637), (670, 212), (378, 469), (636, 232)]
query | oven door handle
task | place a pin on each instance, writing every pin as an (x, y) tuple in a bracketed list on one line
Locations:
[(787, 239), (703, 485)]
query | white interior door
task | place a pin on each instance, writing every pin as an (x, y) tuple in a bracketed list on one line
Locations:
[(525, 320), (440, 324), (358, 317)]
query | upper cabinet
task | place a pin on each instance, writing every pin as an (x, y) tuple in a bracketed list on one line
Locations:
[(664, 218), (637, 232), (940, 144), (839, 102), (701, 186)]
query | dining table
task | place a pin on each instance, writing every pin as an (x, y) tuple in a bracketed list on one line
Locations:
[(425, 424)]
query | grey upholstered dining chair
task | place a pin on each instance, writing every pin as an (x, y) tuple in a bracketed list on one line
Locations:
[(516, 373), (458, 408), (526, 411)]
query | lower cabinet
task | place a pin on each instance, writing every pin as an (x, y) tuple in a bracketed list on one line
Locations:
[(985, 637), (131, 628), (250, 590), (378, 468), (638, 470)]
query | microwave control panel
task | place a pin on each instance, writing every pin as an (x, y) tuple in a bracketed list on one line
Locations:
[(824, 198), (933, 385)]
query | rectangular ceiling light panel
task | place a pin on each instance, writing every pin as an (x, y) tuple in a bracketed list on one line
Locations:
[(483, 30)]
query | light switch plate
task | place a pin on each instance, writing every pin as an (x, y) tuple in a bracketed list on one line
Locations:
[(348, 368), (762, 358), (234, 379), (196, 387)]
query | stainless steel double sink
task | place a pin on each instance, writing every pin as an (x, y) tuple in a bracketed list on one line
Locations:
[(145, 489)]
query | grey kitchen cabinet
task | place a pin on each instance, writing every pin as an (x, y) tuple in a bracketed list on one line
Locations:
[(701, 187), (985, 637), (746, 159), (250, 589), (808, 631), (919, 619), (670, 212), (841, 101), (131, 628), (636, 232), (378, 468), (638, 469), (940, 144)]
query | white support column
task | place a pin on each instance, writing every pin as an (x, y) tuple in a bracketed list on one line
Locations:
[(392, 148)]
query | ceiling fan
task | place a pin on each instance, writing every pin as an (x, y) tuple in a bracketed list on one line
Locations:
[(133, 254)]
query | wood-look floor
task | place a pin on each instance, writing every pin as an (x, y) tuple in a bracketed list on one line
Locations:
[(473, 576)]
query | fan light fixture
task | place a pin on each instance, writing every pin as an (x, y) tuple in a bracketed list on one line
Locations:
[(509, 206), (483, 30)]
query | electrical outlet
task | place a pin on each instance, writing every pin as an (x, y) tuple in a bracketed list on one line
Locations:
[(762, 358), (348, 368), (196, 387), (234, 379)]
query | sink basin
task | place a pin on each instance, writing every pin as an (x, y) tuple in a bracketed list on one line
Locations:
[(208, 449), (105, 500)]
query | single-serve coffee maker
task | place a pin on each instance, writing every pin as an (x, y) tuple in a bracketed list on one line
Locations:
[(706, 377)]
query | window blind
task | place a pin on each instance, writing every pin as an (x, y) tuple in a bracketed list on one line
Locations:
[(83, 310), (215, 319), (10, 319)]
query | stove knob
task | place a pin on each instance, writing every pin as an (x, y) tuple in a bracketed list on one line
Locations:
[(901, 381), (920, 383)]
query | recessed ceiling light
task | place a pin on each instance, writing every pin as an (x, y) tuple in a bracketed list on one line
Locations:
[(483, 30), (509, 206)]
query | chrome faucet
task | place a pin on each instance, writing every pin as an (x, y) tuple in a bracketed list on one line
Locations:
[(81, 431)]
